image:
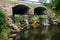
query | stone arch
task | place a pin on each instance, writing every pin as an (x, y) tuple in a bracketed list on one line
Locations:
[(39, 10), (48, 11), (30, 11), (20, 9)]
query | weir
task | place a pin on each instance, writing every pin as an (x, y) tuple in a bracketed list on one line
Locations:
[(21, 19)]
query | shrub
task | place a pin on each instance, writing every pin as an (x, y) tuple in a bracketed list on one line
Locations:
[(3, 27)]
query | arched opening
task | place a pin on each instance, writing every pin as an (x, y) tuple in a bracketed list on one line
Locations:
[(39, 10), (20, 9), (44, 19)]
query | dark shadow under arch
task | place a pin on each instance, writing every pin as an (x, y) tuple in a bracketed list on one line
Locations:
[(20, 9), (39, 10)]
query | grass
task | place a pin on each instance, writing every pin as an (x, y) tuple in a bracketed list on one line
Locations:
[(4, 30)]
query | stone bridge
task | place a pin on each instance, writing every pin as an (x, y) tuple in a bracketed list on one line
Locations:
[(8, 5)]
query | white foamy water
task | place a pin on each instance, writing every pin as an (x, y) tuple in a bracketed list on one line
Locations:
[(45, 22)]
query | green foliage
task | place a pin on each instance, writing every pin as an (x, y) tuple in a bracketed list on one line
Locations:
[(20, 18), (3, 28), (58, 5), (34, 18), (55, 4), (2, 20), (57, 13)]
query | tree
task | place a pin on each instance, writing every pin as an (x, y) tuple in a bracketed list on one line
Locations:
[(55, 4), (58, 5)]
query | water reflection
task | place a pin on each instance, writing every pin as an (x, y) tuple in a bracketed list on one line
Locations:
[(26, 33)]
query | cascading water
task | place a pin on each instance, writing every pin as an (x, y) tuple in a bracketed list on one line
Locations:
[(45, 22), (26, 19), (17, 20), (27, 22)]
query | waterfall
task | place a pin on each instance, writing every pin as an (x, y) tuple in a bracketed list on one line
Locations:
[(26, 19), (27, 22), (16, 19), (45, 22)]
